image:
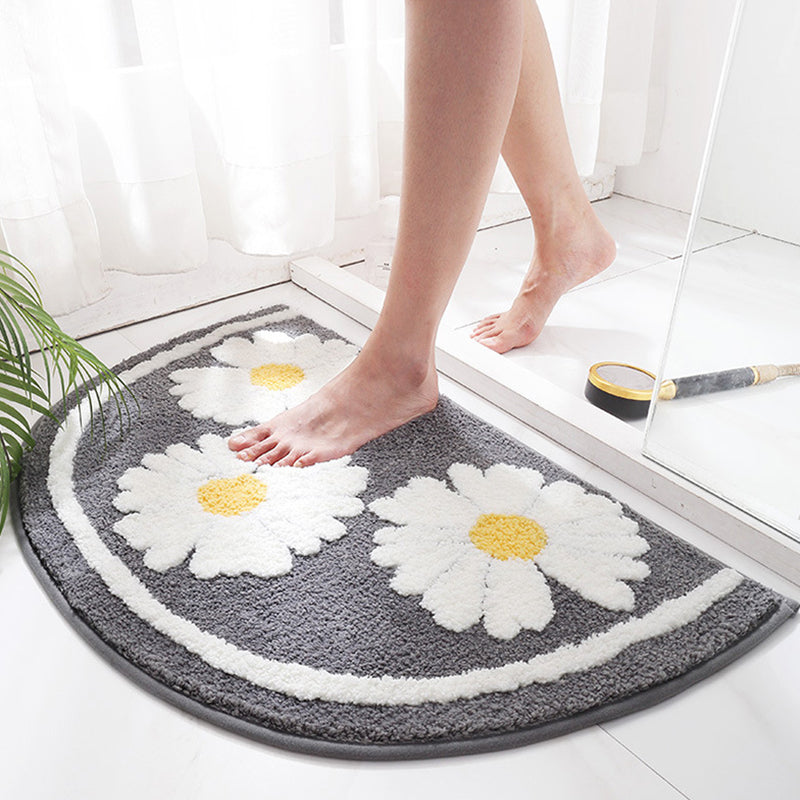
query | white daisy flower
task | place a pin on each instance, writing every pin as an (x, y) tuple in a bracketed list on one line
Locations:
[(233, 516), (264, 376), (481, 552)]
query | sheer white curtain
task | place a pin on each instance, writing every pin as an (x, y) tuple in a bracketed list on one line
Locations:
[(133, 131)]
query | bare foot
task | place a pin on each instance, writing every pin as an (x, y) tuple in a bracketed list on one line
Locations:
[(559, 263), (376, 393)]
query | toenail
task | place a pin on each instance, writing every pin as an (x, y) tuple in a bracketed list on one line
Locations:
[(237, 439)]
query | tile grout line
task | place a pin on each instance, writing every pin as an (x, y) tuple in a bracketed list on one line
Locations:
[(642, 761), (715, 244)]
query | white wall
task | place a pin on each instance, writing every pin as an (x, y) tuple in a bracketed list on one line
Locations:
[(755, 170), (691, 38)]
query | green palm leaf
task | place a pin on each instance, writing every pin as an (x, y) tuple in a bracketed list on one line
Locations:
[(67, 365)]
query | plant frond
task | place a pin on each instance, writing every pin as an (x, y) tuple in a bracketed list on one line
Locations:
[(16, 267), (25, 324), (19, 428), (11, 450), (8, 395), (13, 340), (30, 390)]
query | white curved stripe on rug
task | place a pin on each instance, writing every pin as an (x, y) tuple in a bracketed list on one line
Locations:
[(306, 682)]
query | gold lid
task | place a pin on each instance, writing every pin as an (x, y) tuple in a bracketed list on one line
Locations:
[(615, 389)]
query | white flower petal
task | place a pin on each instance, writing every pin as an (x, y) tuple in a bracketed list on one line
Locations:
[(270, 337), (339, 351), (517, 597), (427, 501), (600, 535), (307, 495), (242, 353), (215, 449), (206, 380), (330, 529), (145, 490), (502, 489), (224, 394), (138, 485), (564, 501), (418, 535), (417, 573), (308, 349), (161, 464), (329, 478), (599, 579), (163, 532), (240, 547), (183, 456), (306, 539), (389, 535), (400, 549), (329, 359), (456, 597), (164, 555)]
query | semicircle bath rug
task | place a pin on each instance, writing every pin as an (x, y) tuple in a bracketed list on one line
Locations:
[(445, 590)]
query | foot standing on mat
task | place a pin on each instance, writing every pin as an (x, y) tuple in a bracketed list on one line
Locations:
[(479, 80)]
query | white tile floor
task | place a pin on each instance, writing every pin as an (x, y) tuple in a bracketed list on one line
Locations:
[(73, 728)]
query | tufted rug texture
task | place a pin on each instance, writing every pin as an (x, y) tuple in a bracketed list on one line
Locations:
[(443, 591)]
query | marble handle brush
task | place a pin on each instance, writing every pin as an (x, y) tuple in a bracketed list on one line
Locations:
[(626, 391), (693, 385)]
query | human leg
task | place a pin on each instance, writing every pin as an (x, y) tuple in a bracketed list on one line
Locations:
[(463, 62), (570, 243)]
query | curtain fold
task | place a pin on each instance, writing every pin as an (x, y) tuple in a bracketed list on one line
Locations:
[(134, 131), (45, 217)]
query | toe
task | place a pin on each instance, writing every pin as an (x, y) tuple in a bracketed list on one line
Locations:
[(308, 458), (484, 325), (274, 454), (486, 333), (497, 343), (290, 459), (318, 455), (250, 437), (323, 452), (258, 449)]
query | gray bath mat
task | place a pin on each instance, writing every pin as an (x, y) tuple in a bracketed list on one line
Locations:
[(445, 590)]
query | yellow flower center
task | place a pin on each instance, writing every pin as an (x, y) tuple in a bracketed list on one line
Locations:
[(229, 497), (507, 536), (275, 377)]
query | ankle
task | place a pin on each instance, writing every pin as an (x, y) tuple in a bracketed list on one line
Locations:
[(558, 206), (405, 363), (573, 247)]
